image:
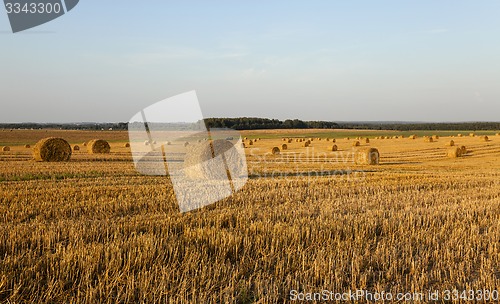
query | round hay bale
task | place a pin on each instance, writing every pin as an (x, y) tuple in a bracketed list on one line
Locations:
[(472, 134), (197, 164), (126, 145), (76, 148), (454, 152), (463, 149), (412, 136), (284, 147), (98, 146), (84, 144), (297, 140), (451, 143), (245, 138), (146, 143), (366, 156), (334, 148), (275, 151), (250, 143), (334, 140), (6, 149), (402, 136), (307, 144), (347, 138), (497, 134), (243, 145), (367, 140), (52, 149), (485, 138), (168, 143), (290, 141), (27, 146), (186, 144), (328, 139), (356, 144), (459, 135), (428, 139), (284, 139), (435, 136)]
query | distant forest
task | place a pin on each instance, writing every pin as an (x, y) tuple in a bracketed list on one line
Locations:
[(249, 123)]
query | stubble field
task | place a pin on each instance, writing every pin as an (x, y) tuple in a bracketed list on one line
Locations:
[(309, 219)]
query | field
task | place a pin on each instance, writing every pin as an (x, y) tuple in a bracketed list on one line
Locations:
[(309, 219)]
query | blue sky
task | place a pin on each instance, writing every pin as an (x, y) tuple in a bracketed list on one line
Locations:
[(313, 60)]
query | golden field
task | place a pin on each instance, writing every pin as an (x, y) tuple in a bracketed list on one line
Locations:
[(93, 230)]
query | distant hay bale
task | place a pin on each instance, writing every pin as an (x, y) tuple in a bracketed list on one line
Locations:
[(412, 136), (297, 140), (76, 148), (451, 143), (197, 164), (463, 149), (290, 141), (27, 146), (52, 149), (328, 139), (485, 138), (126, 145), (367, 140), (454, 152), (245, 138), (459, 135), (472, 134), (356, 144), (307, 143), (334, 140), (394, 137), (6, 149), (168, 143), (243, 145), (497, 134), (402, 136), (250, 143), (428, 139), (435, 136), (186, 144), (84, 144), (284, 139), (284, 147), (275, 151), (334, 148), (347, 138), (366, 156), (146, 142), (98, 146)]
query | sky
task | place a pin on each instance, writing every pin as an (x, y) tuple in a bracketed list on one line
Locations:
[(105, 61)]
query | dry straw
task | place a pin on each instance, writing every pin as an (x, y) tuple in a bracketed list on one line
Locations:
[(197, 164), (52, 149), (366, 156), (98, 146), (6, 149), (275, 151), (284, 147), (454, 152)]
